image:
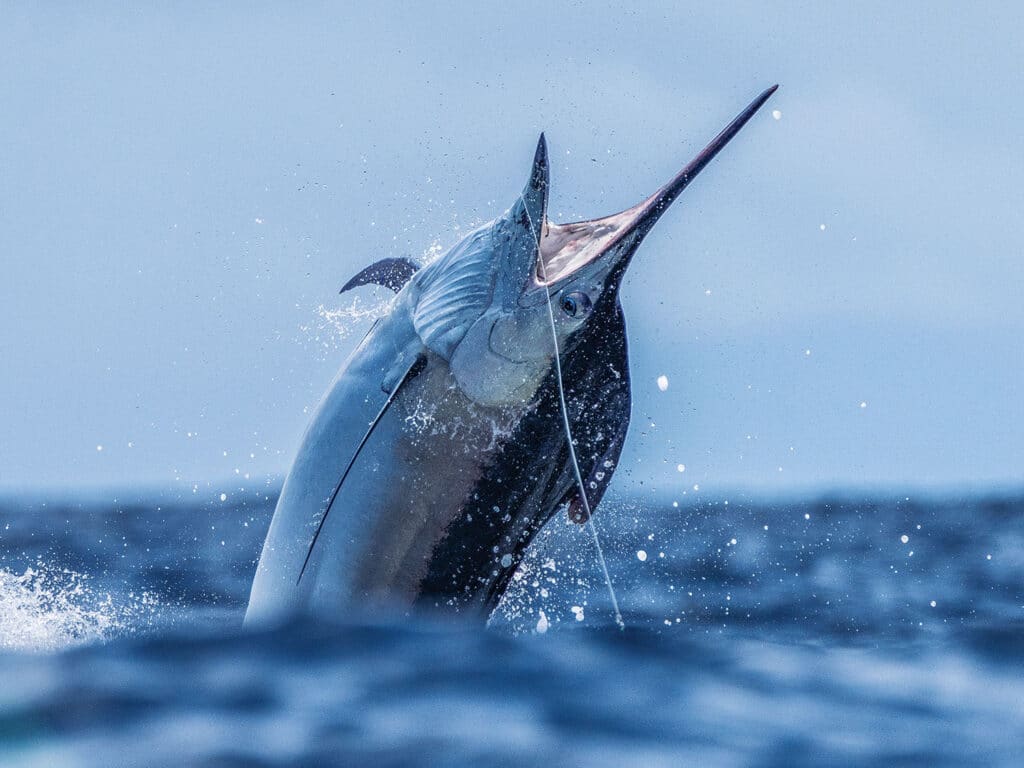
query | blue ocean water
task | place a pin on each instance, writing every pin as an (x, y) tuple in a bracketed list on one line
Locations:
[(825, 631)]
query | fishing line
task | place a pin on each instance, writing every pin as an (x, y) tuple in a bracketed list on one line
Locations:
[(568, 433)]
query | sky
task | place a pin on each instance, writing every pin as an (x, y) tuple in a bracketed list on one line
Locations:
[(835, 302)]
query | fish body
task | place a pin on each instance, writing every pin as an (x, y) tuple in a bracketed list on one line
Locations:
[(443, 445)]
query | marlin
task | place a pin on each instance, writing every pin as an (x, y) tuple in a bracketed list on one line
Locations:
[(494, 392)]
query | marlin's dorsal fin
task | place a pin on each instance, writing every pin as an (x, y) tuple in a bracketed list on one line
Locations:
[(390, 273)]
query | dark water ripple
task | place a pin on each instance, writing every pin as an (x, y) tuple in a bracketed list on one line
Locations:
[(811, 642)]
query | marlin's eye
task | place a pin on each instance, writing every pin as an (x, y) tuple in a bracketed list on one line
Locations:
[(576, 304)]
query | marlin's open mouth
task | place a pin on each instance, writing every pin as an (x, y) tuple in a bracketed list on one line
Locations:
[(567, 248)]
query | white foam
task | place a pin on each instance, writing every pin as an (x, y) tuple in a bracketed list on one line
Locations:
[(49, 609)]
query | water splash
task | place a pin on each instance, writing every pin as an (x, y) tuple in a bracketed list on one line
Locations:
[(51, 609), (552, 580), (335, 325)]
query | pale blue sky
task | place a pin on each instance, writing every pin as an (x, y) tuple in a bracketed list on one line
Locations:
[(183, 187)]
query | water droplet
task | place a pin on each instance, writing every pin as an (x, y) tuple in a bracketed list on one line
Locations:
[(542, 623)]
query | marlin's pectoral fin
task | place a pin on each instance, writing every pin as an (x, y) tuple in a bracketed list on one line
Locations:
[(596, 483), (390, 273), (600, 401), (601, 464)]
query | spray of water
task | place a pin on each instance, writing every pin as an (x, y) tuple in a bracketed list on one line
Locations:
[(49, 609)]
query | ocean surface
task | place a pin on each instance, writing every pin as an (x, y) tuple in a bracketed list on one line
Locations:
[(824, 631)]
